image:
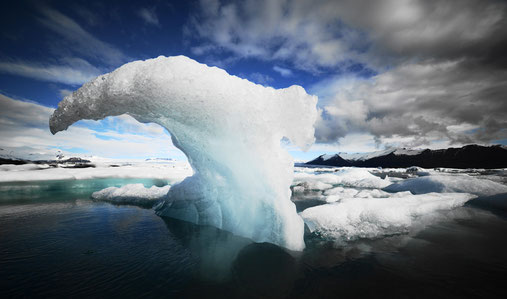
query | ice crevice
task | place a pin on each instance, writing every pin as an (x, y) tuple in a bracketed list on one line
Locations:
[(230, 130)]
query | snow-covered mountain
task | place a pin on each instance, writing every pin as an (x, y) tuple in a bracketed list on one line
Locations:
[(366, 156), (470, 156)]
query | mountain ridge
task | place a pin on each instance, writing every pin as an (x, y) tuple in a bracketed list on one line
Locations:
[(469, 156)]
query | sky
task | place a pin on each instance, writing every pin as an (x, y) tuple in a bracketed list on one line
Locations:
[(415, 74)]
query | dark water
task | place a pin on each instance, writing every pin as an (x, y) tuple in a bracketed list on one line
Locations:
[(56, 242)]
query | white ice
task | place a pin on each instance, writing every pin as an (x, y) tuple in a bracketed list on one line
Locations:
[(339, 193), (349, 177), (354, 218), (449, 183), (135, 194), (229, 128), (173, 172)]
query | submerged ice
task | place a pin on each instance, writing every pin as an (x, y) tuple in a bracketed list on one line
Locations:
[(229, 128)]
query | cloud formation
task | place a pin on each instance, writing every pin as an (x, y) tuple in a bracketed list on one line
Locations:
[(430, 29), (149, 16), (330, 33), (302, 32), (71, 71), (427, 101), (78, 40), (283, 71), (24, 131), (441, 68), (78, 56)]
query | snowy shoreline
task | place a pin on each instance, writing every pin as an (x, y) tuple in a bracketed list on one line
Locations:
[(173, 171)]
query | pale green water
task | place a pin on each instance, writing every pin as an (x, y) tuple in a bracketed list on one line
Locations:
[(54, 190)]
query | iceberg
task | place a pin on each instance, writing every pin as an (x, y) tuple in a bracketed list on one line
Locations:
[(357, 218), (229, 128)]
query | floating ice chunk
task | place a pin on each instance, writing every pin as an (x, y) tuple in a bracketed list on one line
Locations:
[(342, 191), (349, 177), (356, 218), (298, 189), (374, 193), (449, 183), (310, 186), (301, 169), (337, 193), (229, 128), (416, 170), (135, 194), (357, 177)]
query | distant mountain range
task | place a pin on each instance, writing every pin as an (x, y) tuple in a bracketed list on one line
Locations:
[(470, 156), (73, 162)]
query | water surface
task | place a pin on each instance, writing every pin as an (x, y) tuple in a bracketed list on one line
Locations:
[(56, 242)]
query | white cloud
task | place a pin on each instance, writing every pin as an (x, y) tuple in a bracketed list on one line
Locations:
[(24, 113), (305, 33), (24, 129), (331, 33), (441, 64), (80, 41), (73, 43), (149, 16), (416, 104), (283, 71), (72, 71), (351, 143)]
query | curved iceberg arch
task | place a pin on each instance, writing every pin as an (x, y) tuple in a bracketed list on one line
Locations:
[(229, 128)]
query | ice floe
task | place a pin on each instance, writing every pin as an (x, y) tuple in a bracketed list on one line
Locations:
[(135, 194), (355, 218)]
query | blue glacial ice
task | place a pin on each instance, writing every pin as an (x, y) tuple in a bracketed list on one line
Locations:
[(229, 128)]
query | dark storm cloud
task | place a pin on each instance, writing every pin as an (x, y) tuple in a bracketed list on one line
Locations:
[(442, 71), (449, 69), (325, 33), (450, 100), (431, 29)]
